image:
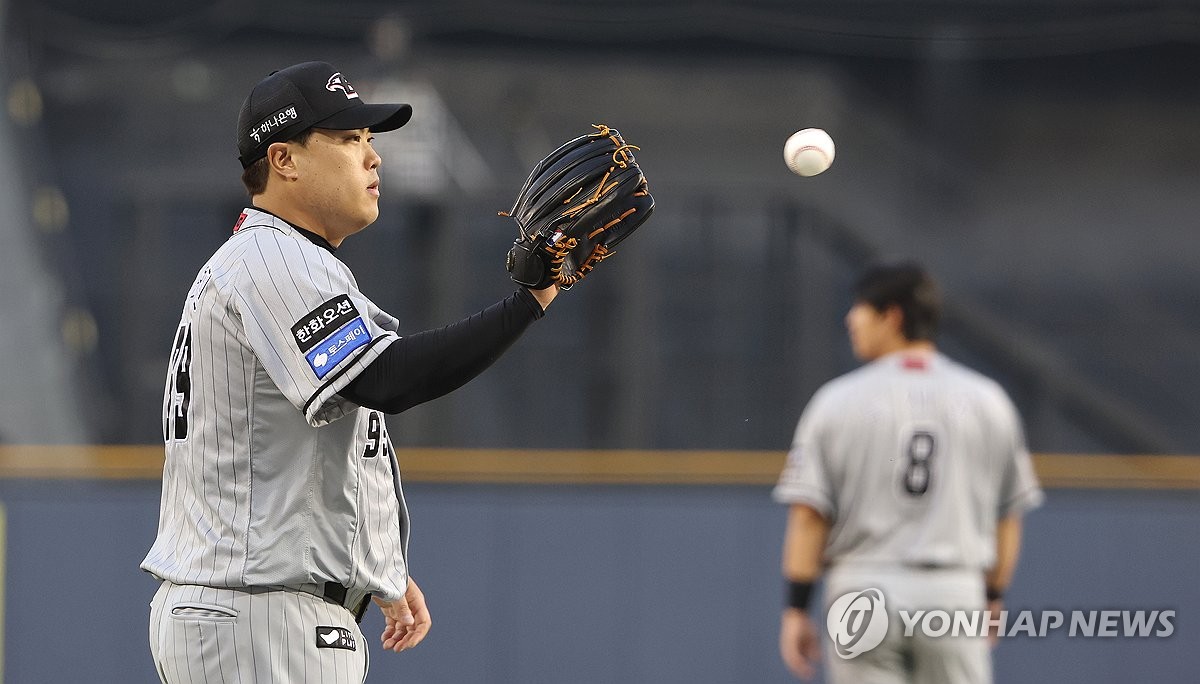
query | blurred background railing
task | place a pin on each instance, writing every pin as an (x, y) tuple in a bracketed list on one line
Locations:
[(587, 467)]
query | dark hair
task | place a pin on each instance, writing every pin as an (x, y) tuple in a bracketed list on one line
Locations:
[(906, 285), (254, 177)]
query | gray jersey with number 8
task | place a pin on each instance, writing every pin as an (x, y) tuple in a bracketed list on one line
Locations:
[(912, 458)]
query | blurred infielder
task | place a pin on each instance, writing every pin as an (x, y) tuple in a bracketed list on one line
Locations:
[(908, 475), (282, 515)]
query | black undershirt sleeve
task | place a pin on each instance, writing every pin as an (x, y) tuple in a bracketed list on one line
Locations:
[(417, 368)]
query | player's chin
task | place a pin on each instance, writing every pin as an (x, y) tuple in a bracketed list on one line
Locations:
[(369, 213)]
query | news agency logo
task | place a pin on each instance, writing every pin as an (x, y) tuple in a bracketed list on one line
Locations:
[(857, 622), (1130, 624)]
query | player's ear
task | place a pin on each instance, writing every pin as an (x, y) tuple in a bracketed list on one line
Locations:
[(894, 315), (281, 161)]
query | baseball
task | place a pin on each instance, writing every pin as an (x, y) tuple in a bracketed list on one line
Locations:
[(808, 151)]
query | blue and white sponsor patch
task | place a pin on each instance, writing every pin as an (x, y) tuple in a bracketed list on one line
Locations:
[(334, 349)]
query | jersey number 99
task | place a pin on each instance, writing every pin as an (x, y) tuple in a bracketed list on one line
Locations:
[(179, 387)]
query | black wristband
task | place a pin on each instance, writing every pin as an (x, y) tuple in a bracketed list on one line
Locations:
[(994, 594), (799, 594)]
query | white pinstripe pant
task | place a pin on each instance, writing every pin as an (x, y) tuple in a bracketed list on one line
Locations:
[(204, 634)]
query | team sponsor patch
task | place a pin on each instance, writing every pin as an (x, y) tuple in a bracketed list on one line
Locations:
[(334, 349), (323, 320), (263, 129), (335, 637)]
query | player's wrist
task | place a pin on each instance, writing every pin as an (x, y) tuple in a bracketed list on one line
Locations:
[(798, 594), (993, 594), (544, 296)]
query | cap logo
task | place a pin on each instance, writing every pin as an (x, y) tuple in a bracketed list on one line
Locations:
[(338, 82), (272, 123)]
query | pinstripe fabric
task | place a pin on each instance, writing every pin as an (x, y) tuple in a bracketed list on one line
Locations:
[(271, 479), (863, 433), (210, 635)]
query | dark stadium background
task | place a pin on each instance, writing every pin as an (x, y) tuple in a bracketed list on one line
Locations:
[(1039, 156)]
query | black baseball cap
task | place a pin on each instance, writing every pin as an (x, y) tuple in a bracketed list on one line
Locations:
[(303, 96)]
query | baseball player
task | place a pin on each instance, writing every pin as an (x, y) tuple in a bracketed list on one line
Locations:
[(907, 476), (282, 516)]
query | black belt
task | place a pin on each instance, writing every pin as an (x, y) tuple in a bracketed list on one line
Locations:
[(336, 593)]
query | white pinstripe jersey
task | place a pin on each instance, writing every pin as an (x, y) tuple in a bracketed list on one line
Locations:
[(271, 478), (912, 458)]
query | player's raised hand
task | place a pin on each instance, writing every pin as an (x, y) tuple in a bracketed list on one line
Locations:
[(407, 619), (799, 643)]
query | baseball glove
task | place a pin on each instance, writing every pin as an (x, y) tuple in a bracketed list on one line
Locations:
[(577, 204)]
